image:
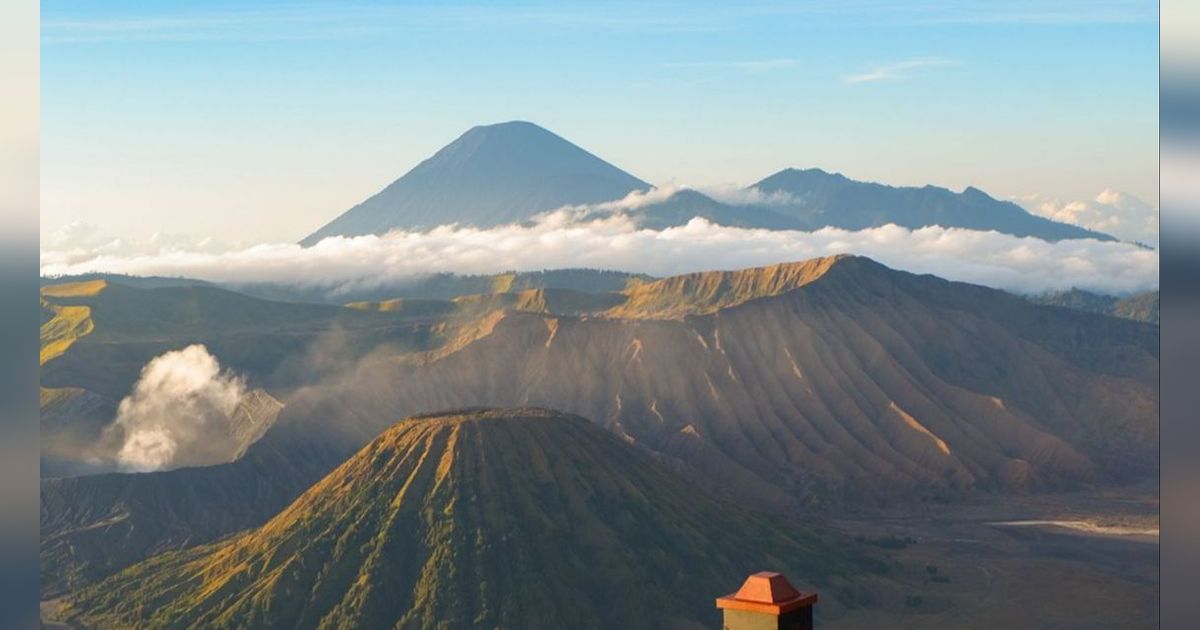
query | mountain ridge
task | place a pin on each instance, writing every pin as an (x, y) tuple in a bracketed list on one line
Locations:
[(842, 388), (1143, 307), (821, 199), (479, 518), (508, 173)]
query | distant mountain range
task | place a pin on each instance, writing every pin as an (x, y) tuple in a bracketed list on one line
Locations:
[(486, 518), (511, 172), (832, 381), (822, 199)]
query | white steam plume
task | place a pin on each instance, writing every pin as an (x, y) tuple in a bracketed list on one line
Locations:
[(179, 413), (614, 241)]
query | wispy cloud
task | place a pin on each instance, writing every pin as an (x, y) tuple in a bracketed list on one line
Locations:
[(325, 20), (340, 20), (897, 71), (269, 24), (756, 65), (1035, 12)]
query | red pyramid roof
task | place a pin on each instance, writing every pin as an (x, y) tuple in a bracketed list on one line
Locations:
[(767, 592)]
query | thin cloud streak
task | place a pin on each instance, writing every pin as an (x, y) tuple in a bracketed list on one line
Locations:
[(337, 20), (758, 65), (333, 21), (897, 71)]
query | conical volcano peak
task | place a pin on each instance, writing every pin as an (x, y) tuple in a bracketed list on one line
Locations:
[(487, 418), (491, 175), (511, 130), (521, 149), (514, 518), (514, 139)]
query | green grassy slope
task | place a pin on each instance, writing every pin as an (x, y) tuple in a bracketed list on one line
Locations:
[(523, 518), (96, 525)]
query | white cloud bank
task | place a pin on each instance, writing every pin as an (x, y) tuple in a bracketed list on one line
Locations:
[(560, 239), (179, 413), (1124, 216)]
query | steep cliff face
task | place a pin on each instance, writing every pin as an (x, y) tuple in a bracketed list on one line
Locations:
[(523, 518), (830, 380)]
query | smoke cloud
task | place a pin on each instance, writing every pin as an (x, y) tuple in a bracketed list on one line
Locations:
[(567, 238), (180, 413)]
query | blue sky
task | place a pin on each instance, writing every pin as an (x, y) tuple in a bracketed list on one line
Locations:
[(253, 121)]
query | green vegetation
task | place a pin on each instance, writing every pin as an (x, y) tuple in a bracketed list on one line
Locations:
[(63, 324), (518, 519), (892, 542)]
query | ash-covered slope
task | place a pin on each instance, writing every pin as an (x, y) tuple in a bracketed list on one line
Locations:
[(835, 379), (524, 518), (491, 175), (827, 381)]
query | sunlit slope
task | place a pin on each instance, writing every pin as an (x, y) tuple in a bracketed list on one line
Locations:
[(62, 324), (99, 340), (98, 334), (668, 298), (95, 525), (860, 382), (549, 301), (708, 292), (523, 518), (72, 418), (443, 286)]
